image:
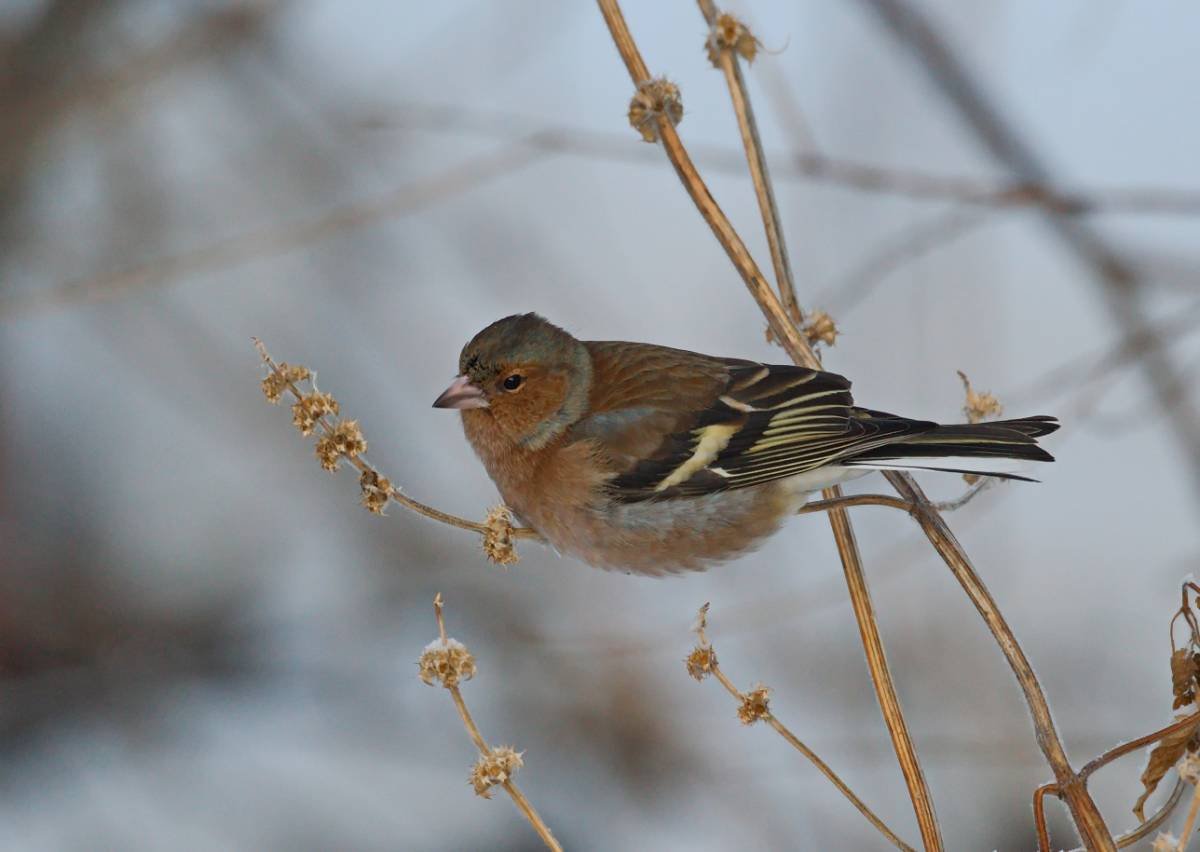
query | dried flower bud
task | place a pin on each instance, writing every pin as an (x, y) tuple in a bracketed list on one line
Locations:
[(979, 406), (344, 439), (754, 705), (1165, 841), (498, 540), (280, 377), (310, 408), (447, 661), (701, 662), (1189, 768), (655, 99), (820, 328), (1185, 668), (376, 490), (728, 33), (495, 767)]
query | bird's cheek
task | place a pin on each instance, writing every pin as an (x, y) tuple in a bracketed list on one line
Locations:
[(513, 419)]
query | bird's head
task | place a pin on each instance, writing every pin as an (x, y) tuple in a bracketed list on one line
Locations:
[(527, 374)]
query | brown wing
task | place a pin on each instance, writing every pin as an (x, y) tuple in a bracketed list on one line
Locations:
[(685, 429)]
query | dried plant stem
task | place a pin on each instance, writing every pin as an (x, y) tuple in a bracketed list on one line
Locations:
[(1124, 841), (363, 466), (795, 742), (1189, 824), (894, 502), (1133, 745), (523, 804), (757, 162), (797, 347), (1072, 788), (854, 500)]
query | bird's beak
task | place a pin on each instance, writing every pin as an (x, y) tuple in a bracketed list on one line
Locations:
[(461, 394)]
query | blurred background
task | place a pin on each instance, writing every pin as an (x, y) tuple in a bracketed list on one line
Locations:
[(206, 644)]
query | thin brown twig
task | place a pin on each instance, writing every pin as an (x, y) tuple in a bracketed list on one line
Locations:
[(847, 501), (363, 466), (714, 668), (1073, 789), (1083, 809), (1189, 823), (1039, 816), (756, 161), (1124, 841), (1141, 742), (801, 352), (887, 500), (523, 804)]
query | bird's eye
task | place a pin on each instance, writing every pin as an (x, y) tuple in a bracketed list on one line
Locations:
[(513, 382)]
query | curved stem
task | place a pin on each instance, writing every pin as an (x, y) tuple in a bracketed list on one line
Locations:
[(798, 348), (1072, 787)]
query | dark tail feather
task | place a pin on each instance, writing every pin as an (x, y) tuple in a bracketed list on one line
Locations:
[(1001, 439)]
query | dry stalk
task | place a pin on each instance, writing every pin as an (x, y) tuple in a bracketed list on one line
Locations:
[(448, 662), (725, 36), (377, 489), (753, 706), (798, 348), (1189, 824), (1086, 815)]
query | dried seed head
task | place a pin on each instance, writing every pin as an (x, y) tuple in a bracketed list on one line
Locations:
[(310, 408), (979, 406), (376, 490), (1165, 841), (1189, 768), (344, 439), (446, 661), (1185, 669), (280, 377), (754, 705), (701, 662), (655, 99), (820, 328), (498, 540), (495, 767), (728, 33)]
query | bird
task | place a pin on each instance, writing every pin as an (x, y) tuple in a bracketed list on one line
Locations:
[(654, 460)]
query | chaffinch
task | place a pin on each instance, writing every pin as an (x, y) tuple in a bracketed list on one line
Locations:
[(650, 459)]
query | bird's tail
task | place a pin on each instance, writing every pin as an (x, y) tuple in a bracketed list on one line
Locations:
[(979, 448)]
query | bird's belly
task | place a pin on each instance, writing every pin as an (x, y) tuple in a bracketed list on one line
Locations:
[(658, 537)]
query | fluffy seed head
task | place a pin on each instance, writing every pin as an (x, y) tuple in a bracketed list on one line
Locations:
[(446, 661), (498, 540), (655, 99), (728, 33), (344, 439), (754, 705), (495, 767), (1165, 841), (376, 490), (1189, 768), (279, 378), (701, 662), (979, 406), (310, 408), (820, 328)]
